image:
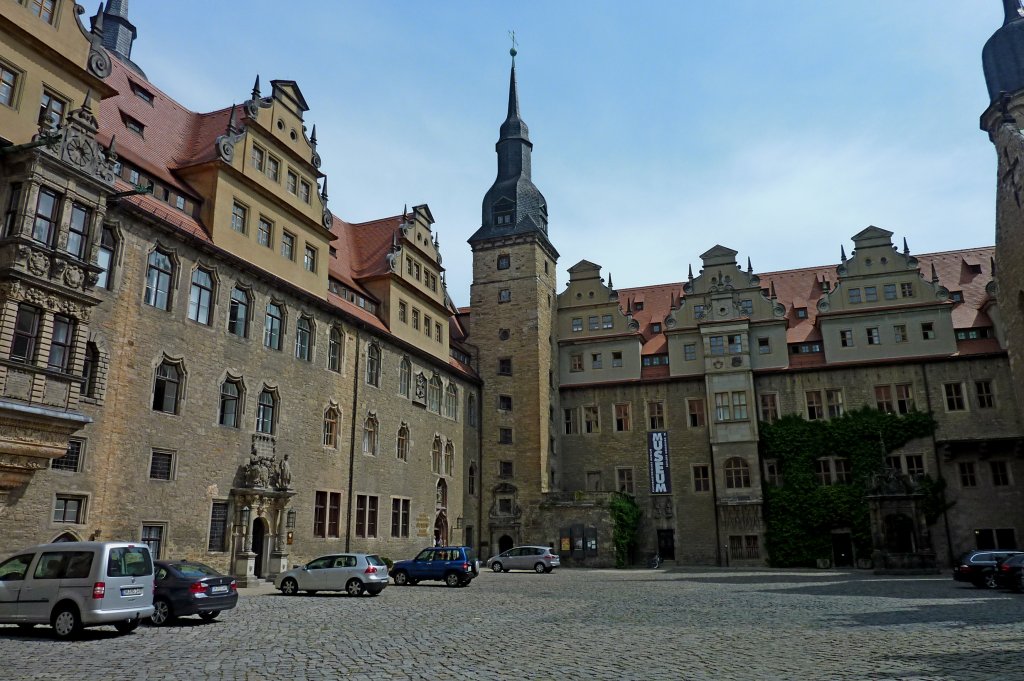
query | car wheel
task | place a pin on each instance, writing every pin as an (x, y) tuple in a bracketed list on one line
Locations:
[(161, 612), (209, 615), (540, 568), (66, 621), (402, 578), (496, 566), (289, 587), (989, 581), (354, 587), (452, 579), (127, 626)]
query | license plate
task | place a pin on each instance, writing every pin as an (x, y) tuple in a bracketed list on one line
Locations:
[(219, 590), (131, 591)]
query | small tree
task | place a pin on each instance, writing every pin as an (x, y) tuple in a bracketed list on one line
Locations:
[(625, 524)]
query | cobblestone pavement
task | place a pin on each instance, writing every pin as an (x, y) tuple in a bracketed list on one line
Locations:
[(721, 624)]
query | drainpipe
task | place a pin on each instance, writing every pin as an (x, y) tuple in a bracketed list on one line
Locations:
[(938, 464), (352, 444)]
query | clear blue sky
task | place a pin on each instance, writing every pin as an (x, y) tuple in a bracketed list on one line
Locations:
[(660, 128)]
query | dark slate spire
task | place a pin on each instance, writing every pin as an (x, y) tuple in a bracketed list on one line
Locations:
[(513, 205), (118, 32), (1003, 54)]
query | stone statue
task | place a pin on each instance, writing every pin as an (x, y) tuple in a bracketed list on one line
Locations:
[(284, 474)]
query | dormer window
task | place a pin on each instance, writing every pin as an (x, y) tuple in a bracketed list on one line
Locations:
[(142, 93), (801, 313), (638, 306), (956, 296), (503, 218), (133, 124), (656, 328)]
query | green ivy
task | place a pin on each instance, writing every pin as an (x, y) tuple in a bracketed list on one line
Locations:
[(625, 525), (800, 514)]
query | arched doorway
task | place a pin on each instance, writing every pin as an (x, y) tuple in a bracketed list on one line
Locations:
[(259, 536), (441, 530), (505, 543)]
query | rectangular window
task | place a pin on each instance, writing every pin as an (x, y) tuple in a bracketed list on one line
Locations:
[(769, 407), (51, 109), (273, 168), (735, 343), (572, 421), (26, 332), (427, 321), (595, 360), (927, 331), (366, 515), (309, 260), (622, 420), (814, 405), (739, 406), (701, 478), (504, 436), (576, 362), (292, 182), (764, 345), (504, 295), (616, 359), (899, 332), (747, 307), (823, 471), (593, 323), (904, 398), (986, 400), (695, 412), (772, 474), (954, 396), (8, 85), (153, 537), (723, 410), (907, 290), (624, 480), (591, 420), (161, 465), (400, 517), (13, 204), (403, 312), (218, 527), (656, 415), (843, 471), (320, 515), (606, 322), (871, 294), (504, 402), (78, 230), (265, 233), (45, 225), (834, 402), (915, 465), (873, 337), (72, 459), (505, 366), (968, 476), (258, 158), (577, 324), (854, 295), (883, 399), (61, 343), (505, 469), (288, 245), (689, 352), (69, 509), (889, 291), (239, 218), (717, 345), (1000, 473), (304, 190), (846, 338)]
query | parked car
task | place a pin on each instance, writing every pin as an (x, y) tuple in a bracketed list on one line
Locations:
[(187, 588), (979, 567), (454, 565), (354, 573), (1010, 572), (540, 559), (72, 585)]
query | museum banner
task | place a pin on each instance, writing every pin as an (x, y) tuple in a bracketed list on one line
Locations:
[(657, 452)]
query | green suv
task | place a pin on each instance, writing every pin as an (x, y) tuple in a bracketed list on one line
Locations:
[(453, 565)]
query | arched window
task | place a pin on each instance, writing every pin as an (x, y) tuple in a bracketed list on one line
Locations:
[(449, 458), (200, 296), (370, 435), (158, 280), (471, 479), (334, 349), (442, 494), (304, 339), (272, 326), (404, 377), (90, 370), (266, 412), (373, 364), (435, 456), (434, 395), (402, 446), (737, 473), (331, 418), (238, 313), (230, 403), (167, 389), (451, 401)]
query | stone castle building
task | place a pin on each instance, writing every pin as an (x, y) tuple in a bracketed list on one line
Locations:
[(197, 352)]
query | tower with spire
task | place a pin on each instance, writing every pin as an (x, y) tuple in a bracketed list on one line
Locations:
[(1003, 118), (513, 305)]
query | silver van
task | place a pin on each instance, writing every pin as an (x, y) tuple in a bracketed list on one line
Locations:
[(71, 585)]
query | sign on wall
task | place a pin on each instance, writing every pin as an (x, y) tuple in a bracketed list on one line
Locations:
[(657, 452)]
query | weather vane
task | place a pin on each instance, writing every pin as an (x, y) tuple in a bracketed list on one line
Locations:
[(512, 35)]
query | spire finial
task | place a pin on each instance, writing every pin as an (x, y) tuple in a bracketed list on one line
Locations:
[(88, 99), (312, 138), (906, 249), (842, 253), (935, 275), (689, 274), (610, 284), (513, 51), (231, 120), (112, 149), (323, 193), (750, 268), (256, 89), (97, 23), (772, 293)]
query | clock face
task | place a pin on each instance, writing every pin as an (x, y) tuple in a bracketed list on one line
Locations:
[(79, 152)]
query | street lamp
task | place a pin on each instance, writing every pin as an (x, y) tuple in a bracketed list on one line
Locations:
[(246, 514)]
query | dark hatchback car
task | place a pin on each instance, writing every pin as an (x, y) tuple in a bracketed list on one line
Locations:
[(1010, 573), (979, 567), (186, 588), (453, 565)]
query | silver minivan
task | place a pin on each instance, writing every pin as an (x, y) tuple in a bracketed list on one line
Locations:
[(71, 585), (537, 558)]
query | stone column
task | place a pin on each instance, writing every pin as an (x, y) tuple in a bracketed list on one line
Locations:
[(278, 562), (245, 560)]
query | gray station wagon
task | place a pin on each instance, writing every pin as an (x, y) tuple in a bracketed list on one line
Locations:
[(537, 558)]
